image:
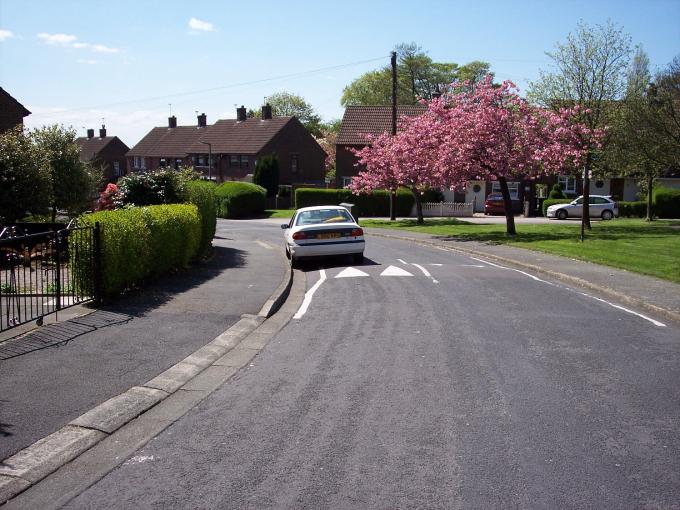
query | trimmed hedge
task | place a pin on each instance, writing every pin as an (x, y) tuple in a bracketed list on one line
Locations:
[(552, 201), (667, 202), (376, 203), (240, 199), (636, 209), (140, 242), (202, 195)]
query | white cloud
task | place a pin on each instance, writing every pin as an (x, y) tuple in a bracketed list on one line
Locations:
[(71, 41), (203, 26), (5, 34), (86, 61)]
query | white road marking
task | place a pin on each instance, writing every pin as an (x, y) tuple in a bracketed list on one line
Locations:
[(436, 265), (402, 261), (309, 294), (395, 271), (350, 272), (613, 305), (264, 245), (425, 272), (472, 265)]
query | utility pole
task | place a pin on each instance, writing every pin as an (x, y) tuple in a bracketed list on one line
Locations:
[(393, 192)]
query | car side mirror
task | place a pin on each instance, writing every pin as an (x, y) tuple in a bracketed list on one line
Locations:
[(284, 226)]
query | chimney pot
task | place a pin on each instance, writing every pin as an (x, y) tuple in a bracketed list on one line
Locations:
[(90, 133), (102, 132), (202, 120), (172, 122), (241, 114), (266, 111)]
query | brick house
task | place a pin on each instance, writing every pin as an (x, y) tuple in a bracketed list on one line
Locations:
[(166, 146), (105, 151), (12, 112), (236, 144)]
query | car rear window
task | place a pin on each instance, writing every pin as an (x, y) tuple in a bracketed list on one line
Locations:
[(323, 216)]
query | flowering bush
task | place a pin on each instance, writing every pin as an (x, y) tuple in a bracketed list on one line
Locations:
[(107, 198)]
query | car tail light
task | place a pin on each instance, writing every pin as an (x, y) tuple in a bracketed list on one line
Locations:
[(356, 232), (299, 235)]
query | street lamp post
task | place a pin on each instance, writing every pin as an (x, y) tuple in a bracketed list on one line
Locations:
[(209, 159)]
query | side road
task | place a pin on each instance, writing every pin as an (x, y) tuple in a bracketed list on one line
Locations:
[(54, 375), (646, 294)]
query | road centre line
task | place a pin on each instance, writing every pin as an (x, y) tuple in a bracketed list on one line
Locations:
[(613, 305), (309, 294), (425, 272)]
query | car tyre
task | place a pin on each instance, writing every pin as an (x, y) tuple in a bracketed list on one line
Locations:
[(561, 214), (607, 215), (358, 258), (294, 263)]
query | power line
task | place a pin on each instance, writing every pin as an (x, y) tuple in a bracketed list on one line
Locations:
[(221, 87)]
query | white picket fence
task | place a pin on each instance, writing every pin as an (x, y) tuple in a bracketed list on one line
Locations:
[(443, 209)]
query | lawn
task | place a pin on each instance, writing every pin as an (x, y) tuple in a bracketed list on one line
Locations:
[(280, 213), (647, 248)]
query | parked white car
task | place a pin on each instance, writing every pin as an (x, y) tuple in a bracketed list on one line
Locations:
[(600, 207), (323, 231)]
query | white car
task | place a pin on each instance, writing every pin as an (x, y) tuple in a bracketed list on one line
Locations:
[(600, 207), (323, 231)]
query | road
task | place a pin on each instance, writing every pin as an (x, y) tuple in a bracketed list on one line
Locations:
[(428, 379)]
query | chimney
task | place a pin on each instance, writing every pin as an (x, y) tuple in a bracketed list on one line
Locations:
[(90, 133), (266, 111), (102, 132), (202, 120), (241, 114), (172, 122)]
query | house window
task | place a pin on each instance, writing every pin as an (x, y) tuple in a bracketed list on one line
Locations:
[(233, 161), (294, 163), (513, 188), (346, 181), (116, 169), (139, 163), (162, 163), (568, 183), (200, 161), (178, 163), (244, 161)]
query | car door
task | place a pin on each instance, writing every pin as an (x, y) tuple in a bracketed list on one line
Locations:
[(597, 205), (576, 208)]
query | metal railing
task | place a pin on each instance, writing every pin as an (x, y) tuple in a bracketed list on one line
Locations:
[(46, 272)]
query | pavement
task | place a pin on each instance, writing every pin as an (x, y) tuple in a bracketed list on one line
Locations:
[(142, 364)]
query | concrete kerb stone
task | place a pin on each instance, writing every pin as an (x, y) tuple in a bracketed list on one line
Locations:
[(27, 467), (572, 280)]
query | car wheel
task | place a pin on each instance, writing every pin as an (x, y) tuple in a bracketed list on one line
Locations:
[(607, 215), (358, 258), (561, 214), (294, 263)]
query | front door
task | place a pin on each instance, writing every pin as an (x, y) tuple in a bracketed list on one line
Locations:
[(475, 192)]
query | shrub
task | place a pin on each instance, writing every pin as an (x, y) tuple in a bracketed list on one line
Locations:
[(202, 195), (556, 193), (139, 242), (266, 174), (164, 186), (632, 209), (240, 199), (552, 201), (667, 202)]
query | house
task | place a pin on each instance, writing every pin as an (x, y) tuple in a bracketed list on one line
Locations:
[(12, 112), (234, 145), (166, 146), (357, 123), (107, 152)]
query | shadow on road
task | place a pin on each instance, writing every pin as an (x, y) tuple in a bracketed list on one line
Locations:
[(332, 262)]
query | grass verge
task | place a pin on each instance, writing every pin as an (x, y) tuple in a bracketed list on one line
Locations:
[(651, 248), (279, 213)]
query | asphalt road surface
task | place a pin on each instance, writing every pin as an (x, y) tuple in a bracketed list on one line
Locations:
[(428, 379)]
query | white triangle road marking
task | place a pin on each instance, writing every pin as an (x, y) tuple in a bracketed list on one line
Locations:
[(350, 272), (395, 271)]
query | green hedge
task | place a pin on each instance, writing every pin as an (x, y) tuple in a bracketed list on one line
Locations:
[(636, 209), (376, 203), (140, 242), (240, 199), (202, 195), (667, 202), (552, 201)]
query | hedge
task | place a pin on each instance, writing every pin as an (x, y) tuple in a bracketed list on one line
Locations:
[(376, 203), (202, 195), (635, 209), (240, 199), (140, 242), (667, 202), (552, 201)]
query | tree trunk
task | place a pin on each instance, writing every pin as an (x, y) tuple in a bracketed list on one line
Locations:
[(507, 204), (650, 184), (419, 206), (585, 213), (393, 205), (54, 213)]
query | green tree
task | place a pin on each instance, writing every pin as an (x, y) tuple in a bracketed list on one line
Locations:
[(287, 104), (589, 70), (73, 183), (418, 76), (266, 174), (24, 183)]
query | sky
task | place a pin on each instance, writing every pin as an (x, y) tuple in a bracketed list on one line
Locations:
[(134, 63)]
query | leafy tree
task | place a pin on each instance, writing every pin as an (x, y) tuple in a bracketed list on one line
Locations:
[(24, 183), (73, 183), (287, 104), (266, 174), (590, 71), (418, 77)]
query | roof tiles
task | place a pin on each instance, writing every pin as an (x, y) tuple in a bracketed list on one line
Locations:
[(359, 121)]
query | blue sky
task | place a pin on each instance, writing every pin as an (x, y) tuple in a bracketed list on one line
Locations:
[(74, 62)]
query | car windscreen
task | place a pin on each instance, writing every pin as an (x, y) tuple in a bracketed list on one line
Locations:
[(317, 216)]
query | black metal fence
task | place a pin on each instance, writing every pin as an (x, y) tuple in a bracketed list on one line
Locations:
[(43, 273)]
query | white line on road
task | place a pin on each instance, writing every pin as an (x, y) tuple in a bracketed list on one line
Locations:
[(264, 245), (403, 262), (512, 269), (309, 294), (656, 323), (425, 272)]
